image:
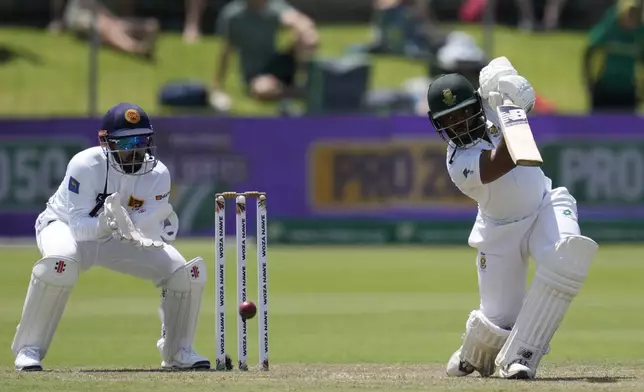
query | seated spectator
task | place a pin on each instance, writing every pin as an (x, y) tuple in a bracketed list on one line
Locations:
[(403, 27), (473, 10), (56, 8), (135, 36), (551, 15), (191, 26), (611, 59), (250, 27)]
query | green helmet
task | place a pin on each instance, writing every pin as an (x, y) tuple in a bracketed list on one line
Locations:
[(456, 110)]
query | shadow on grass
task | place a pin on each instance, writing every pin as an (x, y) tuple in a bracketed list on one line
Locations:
[(9, 54)]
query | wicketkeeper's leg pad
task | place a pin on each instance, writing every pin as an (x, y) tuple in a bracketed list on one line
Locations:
[(482, 342), (557, 281), (52, 280), (180, 304)]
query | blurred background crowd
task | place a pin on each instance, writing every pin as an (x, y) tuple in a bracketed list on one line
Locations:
[(287, 58)]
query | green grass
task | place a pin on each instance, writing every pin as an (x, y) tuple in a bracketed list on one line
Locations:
[(341, 318), (58, 85)]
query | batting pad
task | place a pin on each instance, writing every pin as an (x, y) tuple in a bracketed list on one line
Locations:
[(557, 281), (52, 280), (179, 309), (482, 342)]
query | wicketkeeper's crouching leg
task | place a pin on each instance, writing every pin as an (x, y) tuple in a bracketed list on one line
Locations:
[(557, 281), (52, 280), (179, 312)]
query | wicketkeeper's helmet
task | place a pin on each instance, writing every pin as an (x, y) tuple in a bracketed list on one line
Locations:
[(126, 137)]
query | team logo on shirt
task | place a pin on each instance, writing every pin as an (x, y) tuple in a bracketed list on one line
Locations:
[(568, 213), (132, 116), (74, 185), (482, 261), (133, 202), (163, 196), (494, 131)]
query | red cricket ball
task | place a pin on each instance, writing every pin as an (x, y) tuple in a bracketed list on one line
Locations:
[(247, 310)]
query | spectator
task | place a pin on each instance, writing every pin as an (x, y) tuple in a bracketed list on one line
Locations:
[(192, 19), (191, 26), (404, 27), (250, 27), (56, 9), (550, 16), (610, 61), (130, 35)]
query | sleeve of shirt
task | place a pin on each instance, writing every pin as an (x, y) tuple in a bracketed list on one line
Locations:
[(600, 31), (222, 25), (146, 218), (464, 169), (224, 20), (278, 7), (80, 200)]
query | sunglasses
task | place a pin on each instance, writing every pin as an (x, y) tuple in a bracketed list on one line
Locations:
[(131, 142)]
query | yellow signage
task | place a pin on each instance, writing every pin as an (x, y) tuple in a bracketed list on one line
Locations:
[(393, 173)]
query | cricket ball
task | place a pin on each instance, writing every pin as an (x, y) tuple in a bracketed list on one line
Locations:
[(247, 310)]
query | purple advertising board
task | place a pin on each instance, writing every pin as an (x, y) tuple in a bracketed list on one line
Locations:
[(325, 168)]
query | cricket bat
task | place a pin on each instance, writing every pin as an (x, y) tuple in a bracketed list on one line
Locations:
[(518, 134)]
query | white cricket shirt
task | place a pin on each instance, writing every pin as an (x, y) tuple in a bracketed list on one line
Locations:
[(84, 181), (512, 197)]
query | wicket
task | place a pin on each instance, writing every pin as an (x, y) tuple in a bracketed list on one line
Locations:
[(223, 360)]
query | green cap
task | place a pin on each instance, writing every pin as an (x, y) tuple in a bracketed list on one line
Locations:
[(449, 93)]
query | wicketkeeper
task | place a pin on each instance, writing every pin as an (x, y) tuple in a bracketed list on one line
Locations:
[(111, 210)]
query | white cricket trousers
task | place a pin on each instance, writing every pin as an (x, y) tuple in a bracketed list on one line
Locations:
[(155, 265), (504, 252)]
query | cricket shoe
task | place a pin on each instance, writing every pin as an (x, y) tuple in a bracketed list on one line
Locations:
[(187, 359), (28, 360), (457, 367), (517, 370)]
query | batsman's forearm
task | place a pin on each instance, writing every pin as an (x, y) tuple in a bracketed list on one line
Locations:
[(501, 154), (495, 163)]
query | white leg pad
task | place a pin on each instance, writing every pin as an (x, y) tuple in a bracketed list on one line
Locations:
[(179, 310), (52, 280), (557, 281), (482, 342)]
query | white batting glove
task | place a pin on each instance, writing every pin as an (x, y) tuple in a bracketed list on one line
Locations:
[(518, 90), (495, 99), (491, 73)]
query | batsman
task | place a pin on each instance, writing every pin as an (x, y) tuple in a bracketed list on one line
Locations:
[(520, 215), (112, 210)]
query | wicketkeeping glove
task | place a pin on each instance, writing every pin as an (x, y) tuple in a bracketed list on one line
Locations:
[(118, 220), (160, 223)]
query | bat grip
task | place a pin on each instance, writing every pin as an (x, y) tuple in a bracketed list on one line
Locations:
[(507, 100)]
